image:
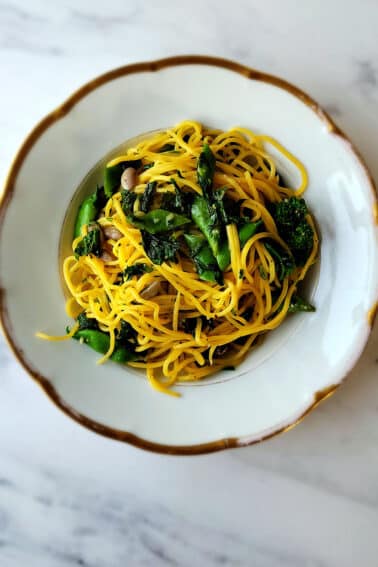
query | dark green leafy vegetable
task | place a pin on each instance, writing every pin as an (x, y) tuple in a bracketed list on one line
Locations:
[(128, 199), (148, 166), (247, 230), (190, 324), (100, 342), (203, 258), (290, 218), (135, 270), (89, 210), (147, 196), (299, 304), (284, 261), (159, 220), (228, 209), (86, 322), (159, 248), (89, 244), (126, 333), (206, 170), (112, 175), (178, 202), (127, 338)]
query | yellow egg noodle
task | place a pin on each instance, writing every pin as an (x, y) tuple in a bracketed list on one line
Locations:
[(228, 316)]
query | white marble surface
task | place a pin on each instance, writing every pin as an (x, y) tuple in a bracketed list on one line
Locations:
[(69, 497)]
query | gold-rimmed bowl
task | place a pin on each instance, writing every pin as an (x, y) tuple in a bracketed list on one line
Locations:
[(298, 365)]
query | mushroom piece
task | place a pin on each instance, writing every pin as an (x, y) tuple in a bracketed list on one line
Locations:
[(111, 232), (106, 256), (128, 178), (152, 290)]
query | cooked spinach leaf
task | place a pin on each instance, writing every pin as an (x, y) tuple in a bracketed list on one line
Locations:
[(89, 244), (159, 248)]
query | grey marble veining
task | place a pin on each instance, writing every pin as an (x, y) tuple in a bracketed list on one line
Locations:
[(308, 498)]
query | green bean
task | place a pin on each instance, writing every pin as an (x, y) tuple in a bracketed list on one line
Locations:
[(87, 213), (100, 342), (203, 258), (247, 230), (159, 220), (205, 170), (206, 218)]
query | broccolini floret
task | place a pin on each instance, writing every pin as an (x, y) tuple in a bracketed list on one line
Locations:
[(290, 218)]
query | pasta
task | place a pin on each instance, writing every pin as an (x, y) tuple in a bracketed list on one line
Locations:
[(193, 258)]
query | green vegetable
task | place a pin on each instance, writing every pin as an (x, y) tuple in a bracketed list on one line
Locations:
[(86, 322), (126, 333), (247, 230), (89, 210), (299, 304), (262, 272), (147, 196), (148, 166), (89, 244), (289, 212), (100, 342), (203, 258), (301, 241), (284, 261), (228, 209), (205, 216), (113, 174), (206, 170), (135, 270), (159, 248), (290, 218), (166, 148), (190, 324), (158, 220), (178, 202), (128, 199)]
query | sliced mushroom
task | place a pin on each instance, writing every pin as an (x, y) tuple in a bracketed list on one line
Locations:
[(152, 290), (106, 256), (164, 287), (128, 178), (111, 232)]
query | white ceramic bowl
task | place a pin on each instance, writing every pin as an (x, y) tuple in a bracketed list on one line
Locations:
[(297, 365)]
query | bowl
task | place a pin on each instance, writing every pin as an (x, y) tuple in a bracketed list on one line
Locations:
[(297, 366)]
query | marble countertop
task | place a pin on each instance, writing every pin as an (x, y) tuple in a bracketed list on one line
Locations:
[(307, 498)]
